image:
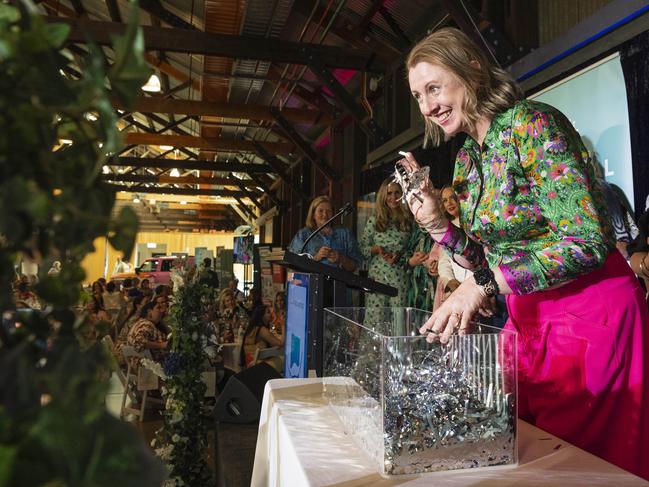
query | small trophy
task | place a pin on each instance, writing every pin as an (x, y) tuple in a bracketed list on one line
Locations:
[(410, 183)]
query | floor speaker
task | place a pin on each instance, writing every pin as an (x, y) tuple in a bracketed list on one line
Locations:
[(240, 401)]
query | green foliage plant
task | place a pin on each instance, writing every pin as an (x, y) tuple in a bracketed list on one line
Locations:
[(182, 443), (54, 427)]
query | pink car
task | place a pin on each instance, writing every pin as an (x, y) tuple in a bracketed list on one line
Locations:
[(156, 269)]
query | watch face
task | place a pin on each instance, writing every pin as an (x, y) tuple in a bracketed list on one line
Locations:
[(482, 276)]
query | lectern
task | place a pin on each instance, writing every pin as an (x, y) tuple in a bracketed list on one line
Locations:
[(309, 303)]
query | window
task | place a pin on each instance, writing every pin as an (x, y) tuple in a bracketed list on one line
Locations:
[(149, 266)]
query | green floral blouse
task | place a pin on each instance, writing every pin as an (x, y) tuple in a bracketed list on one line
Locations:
[(530, 201)]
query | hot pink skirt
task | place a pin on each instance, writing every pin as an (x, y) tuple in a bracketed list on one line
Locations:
[(584, 364)]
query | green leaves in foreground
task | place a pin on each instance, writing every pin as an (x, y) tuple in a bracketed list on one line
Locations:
[(54, 427)]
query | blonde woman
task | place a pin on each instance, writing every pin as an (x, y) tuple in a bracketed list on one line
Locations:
[(384, 242), (535, 228), (335, 246), (232, 318)]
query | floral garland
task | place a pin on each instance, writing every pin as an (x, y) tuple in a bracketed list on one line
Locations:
[(182, 443)]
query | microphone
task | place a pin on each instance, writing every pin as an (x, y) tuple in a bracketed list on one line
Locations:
[(345, 210)]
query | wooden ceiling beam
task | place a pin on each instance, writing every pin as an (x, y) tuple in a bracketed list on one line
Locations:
[(188, 164), (160, 104), (186, 191), (166, 179), (224, 45), (207, 143)]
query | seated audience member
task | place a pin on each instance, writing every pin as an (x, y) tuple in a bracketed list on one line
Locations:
[(95, 307), (146, 333), (133, 315), (334, 246), (127, 284), (113, 299), (135, 289), (232, 318), (278, 324), (145, 288), (258, 336), (24, 297)]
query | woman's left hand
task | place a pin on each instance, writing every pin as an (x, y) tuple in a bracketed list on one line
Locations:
[(333, 256), (456, 312), (391, 257)]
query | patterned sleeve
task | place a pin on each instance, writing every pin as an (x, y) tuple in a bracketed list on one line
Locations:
[(367, 239), (556, 165), (140, 335), (457, 242)]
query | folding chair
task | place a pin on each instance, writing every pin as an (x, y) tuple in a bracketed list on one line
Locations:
[(142, 379)]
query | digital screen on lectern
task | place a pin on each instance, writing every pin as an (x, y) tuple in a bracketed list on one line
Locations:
[(297, 315)]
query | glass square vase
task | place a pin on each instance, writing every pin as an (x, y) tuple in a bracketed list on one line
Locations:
[(414, 406)]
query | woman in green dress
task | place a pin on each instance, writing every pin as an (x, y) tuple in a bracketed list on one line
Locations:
[(422, 256), (384, 242)]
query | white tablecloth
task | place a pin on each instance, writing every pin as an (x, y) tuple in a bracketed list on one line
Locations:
[(301, 443)]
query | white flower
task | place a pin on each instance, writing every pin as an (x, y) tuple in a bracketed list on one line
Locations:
[(175, 438), (176, 417)]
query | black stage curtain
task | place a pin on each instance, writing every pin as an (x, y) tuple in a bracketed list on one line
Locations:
[(634, 55)]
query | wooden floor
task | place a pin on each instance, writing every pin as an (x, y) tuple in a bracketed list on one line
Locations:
[(231, 446)]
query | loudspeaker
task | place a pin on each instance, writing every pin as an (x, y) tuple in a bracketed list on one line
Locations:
[(240, 401)]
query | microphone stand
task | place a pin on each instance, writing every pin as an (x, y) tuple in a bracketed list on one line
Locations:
[(344, 210)]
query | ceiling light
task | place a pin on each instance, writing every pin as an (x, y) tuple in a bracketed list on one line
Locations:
[(166, 147), (174, 173), (152, 85), (91, 116), (183, 202), (65, 141), (106, 170), (136, 200)]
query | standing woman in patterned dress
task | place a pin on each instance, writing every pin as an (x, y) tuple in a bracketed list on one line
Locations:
[(384, 242), (535, 229)]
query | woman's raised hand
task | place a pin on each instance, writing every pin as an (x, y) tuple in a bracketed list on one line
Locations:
[(427, 212)]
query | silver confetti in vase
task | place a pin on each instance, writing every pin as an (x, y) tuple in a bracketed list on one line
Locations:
[(417, 407)]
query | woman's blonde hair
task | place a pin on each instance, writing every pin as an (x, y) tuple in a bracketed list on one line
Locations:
[(310, 219), (490, 90), (225, 293), (401, 217)]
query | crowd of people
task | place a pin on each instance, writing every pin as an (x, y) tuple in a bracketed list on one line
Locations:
[(137, 315)]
